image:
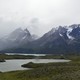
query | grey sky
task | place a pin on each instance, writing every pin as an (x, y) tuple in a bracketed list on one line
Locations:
[(39, 16)]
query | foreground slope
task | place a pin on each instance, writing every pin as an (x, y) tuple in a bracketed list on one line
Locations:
[(48, 71)]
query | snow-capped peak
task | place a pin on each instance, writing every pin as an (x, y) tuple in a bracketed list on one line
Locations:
[(74, 26), (53, 30)]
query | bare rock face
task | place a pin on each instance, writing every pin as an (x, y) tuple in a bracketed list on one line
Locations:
[(60, 40)]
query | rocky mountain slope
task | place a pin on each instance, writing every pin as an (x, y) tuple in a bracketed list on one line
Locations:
[(15, 39), (60, 40)]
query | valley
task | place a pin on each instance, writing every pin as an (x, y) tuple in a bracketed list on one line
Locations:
[(39, 39), (59, 57), (46, 71)]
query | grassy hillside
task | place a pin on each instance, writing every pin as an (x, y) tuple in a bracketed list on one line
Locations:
[(47, 71)]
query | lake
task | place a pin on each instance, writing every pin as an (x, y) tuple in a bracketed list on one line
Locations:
[(25, 54), (15, 64)]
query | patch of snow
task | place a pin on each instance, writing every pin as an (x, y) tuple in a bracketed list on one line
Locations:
[(23, 37), (61, 35), (68, 32), (53, 30), (70, 37)]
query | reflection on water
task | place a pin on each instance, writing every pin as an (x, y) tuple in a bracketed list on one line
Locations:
[(12, 65)]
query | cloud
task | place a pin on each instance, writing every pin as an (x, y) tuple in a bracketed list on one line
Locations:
[(39, 16)]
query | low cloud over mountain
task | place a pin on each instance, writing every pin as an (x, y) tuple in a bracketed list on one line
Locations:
[(60, 40)]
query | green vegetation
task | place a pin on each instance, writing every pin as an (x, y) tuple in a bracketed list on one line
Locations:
[(47, 71), (4, 56), (2, 59)]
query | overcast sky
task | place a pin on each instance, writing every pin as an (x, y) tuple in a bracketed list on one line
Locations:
[(39, 16)]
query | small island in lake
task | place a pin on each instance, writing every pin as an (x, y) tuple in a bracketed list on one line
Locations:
[(2, 60)]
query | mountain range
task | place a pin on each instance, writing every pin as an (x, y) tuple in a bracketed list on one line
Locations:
[(59, 40)]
